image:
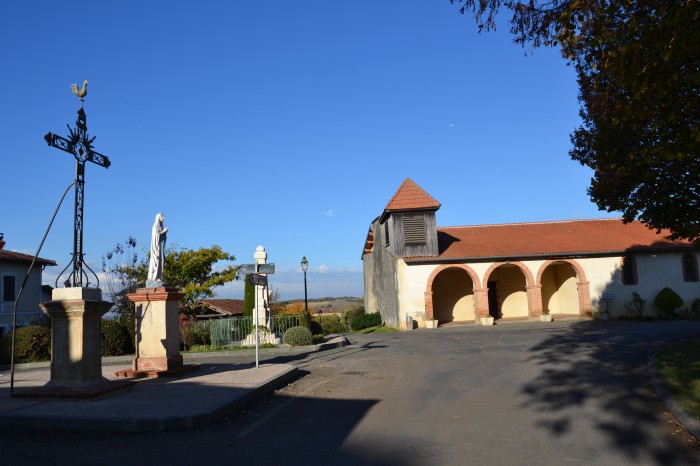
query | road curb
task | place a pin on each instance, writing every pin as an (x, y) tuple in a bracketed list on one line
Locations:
[(691, 424), (336, 342)]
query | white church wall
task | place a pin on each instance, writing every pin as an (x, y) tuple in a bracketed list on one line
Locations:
[(654, 272), (412, 283)]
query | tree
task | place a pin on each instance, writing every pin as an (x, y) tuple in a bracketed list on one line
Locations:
[(190, 272), (123, 273), (638, 69), (295, 307), (274, 304), (248, 298)]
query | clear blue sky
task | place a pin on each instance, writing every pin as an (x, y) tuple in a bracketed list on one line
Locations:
[(283, 124)]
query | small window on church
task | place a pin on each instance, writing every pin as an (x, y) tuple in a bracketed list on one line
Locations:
[(386, 234), (413, 230), (690, 267), (629, 271)]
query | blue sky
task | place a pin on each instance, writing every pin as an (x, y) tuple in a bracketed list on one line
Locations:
[(283, 124)]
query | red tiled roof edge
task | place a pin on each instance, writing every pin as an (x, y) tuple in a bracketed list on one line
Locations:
[(12, 256), (228, 306), (554, 238)]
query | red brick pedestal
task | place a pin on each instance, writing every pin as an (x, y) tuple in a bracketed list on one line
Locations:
[(157, 334)]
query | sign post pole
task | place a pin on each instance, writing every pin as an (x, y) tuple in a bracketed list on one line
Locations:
[(257, 335)]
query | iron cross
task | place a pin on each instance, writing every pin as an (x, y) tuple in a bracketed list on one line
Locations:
[(80, 145)]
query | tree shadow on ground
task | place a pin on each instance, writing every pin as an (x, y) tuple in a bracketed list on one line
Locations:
[(605, 364)]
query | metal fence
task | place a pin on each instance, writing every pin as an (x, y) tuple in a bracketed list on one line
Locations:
[(240, 331)]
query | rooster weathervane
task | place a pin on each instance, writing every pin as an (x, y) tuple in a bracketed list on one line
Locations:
[(81, 93)]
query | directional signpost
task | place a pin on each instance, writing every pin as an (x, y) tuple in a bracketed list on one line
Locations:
[(254, 272), (257, 279), (607, 297), (247, 269)]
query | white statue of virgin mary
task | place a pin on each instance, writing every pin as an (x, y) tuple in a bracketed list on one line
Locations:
[(155, 265)]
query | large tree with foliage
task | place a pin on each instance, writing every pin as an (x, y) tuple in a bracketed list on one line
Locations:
[(192, 272), (638, 67)]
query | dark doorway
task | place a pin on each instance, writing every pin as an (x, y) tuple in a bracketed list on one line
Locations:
[(494, 311)]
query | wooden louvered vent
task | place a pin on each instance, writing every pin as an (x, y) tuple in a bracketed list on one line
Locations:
[(414, 230)]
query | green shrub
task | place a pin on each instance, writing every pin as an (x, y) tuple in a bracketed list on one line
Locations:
[(667, 301), (333, 324), (695, 308), (365, 320), (116, 340), (352, 313), (316, 328), (32, 344), (636, 305), (129, 323), (305, 320), (297, 336), (193, 333), (42, 321)]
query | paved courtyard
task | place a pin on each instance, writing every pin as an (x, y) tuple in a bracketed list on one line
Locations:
[(569, 392)]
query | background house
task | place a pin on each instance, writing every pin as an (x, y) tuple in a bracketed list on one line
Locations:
[(221, 308), (413, 268), (13, 269)]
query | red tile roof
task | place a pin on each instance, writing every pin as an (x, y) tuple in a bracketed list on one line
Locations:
[(232, 307), (560, 238), (410, 196), (11, 256)]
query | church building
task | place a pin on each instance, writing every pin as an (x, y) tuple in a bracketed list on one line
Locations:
[(415, 271)]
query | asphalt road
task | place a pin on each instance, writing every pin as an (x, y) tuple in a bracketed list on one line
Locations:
[(572, 392)]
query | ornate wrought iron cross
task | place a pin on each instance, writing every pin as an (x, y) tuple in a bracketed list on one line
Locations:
[(80, 145)]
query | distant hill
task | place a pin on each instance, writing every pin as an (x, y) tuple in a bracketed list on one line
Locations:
[(341, 303)]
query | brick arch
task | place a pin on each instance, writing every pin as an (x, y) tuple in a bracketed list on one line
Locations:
[(534, 295), (429, 285), (584, 292), (529, 279)]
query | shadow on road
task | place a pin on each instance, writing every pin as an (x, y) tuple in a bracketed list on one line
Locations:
[(604, 364)]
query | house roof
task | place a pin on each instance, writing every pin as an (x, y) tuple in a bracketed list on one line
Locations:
[(558, 238), (564, 238), (410, 196), (232, 307), (11, 256)]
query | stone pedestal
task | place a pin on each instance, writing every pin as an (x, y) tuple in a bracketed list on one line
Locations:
[(76, 336), (76, 346), (157, 334)]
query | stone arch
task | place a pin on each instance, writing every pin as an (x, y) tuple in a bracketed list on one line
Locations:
[(430, 297), (582, 285), (512, 294), (529, 279)]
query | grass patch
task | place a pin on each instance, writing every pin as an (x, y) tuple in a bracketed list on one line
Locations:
[(679, 368), (209, 348), (377, 329)]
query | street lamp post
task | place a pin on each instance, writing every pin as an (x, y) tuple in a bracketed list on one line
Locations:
[(305, 267)]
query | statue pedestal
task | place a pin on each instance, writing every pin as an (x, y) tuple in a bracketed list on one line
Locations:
[(76, 346), (76, 336), (157, 334)]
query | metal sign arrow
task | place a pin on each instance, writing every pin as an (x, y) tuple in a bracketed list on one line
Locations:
[(247, 269), (256, 279)]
